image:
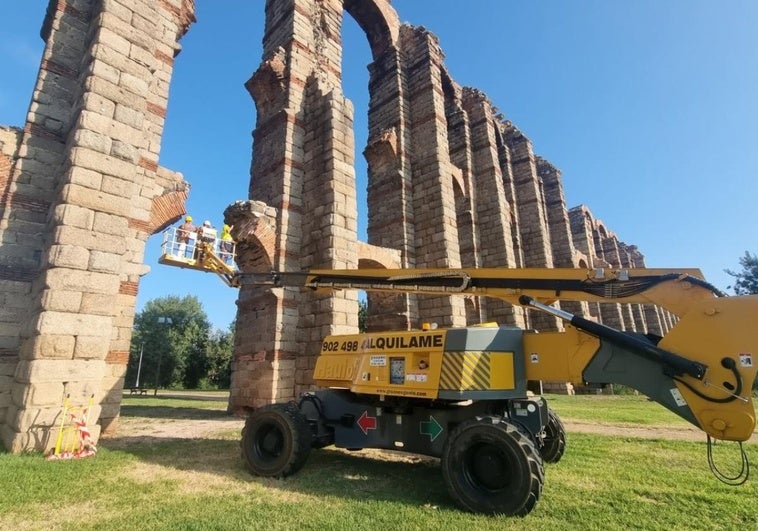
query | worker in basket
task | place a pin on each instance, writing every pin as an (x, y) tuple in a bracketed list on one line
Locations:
[(206, 234), (226, 245), (185, 236)]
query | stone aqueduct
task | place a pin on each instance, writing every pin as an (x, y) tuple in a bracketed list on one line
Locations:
[(450, 184)]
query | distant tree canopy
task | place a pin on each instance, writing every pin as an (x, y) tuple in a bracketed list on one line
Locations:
[(362, 315), (746, 282), (178, 347)]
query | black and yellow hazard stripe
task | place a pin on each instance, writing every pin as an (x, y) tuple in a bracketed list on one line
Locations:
[(465, 371)]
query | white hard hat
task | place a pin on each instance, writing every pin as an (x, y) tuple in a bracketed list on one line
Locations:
[(206, 223)]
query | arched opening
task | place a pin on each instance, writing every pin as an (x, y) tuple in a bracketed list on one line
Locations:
[(355, 80), (379, 22), (379, 315)]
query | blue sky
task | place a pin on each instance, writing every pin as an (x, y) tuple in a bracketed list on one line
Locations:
[(649, 108)]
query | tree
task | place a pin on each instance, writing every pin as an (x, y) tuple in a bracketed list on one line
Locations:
[(219, 354), (171, 333), (746, 280), (362, 315)]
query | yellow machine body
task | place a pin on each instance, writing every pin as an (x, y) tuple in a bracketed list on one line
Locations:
[(709, 330), (414, 364)]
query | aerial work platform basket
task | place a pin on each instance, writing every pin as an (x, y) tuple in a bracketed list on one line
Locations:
[(200, 251)]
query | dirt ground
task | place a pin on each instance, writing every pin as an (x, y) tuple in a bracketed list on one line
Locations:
[(139, 430), (135, 432)]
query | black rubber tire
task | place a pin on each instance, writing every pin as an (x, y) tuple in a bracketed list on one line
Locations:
[(276, 440), (554, 442), (491, 466)]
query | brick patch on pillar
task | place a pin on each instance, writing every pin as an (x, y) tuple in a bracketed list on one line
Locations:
[(156, 110), (142, 226), (148, 164), (61, 70), (117, 357), (38, 130), (128, 288)]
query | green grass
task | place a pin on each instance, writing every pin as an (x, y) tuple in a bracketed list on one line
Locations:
[(614, 410), (173, 406), (601, 483)]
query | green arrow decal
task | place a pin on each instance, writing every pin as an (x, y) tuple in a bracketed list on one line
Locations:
[(431, 428)]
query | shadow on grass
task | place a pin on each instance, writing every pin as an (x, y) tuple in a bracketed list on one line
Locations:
[(327, 472), (365, 476)]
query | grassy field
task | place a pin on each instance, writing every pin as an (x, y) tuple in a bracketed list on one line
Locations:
[(603, 482)]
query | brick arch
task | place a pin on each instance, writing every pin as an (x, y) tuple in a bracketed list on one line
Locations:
[(371, 264), (254, 229), (373, 257), (600, 226), (166, 209), (379, 20)]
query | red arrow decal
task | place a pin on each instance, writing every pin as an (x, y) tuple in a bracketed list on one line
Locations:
[(366, 423)]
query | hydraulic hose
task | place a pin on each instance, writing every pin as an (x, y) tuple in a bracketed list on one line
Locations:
[(677, 365)]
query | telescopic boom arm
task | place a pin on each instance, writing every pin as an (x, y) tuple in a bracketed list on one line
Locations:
[(672, 289)]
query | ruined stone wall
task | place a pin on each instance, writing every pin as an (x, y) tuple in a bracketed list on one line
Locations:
[(303, 169), (83, 193), (451, 183), (492, 217)]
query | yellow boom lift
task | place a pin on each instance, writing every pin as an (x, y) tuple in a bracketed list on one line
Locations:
[(460, 394)]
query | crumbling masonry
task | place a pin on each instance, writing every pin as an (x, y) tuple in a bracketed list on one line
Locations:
[(81, 191), (451, 183)]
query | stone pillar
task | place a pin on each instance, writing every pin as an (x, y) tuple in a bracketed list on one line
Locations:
[(611, 313), (303, 169), (390, 208), (436, 235), (627, 256), (89, 162), (561, 238), (562, 245), (330, 224), (461, 157), (253, 379), (494, 213), (533, 222)]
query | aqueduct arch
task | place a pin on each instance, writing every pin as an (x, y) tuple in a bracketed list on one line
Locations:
[(451, 183)]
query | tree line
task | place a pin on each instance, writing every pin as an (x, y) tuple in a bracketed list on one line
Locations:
[(178, 347)]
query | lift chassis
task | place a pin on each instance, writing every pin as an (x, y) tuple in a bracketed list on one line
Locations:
[(492, 441), (460, 394)]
